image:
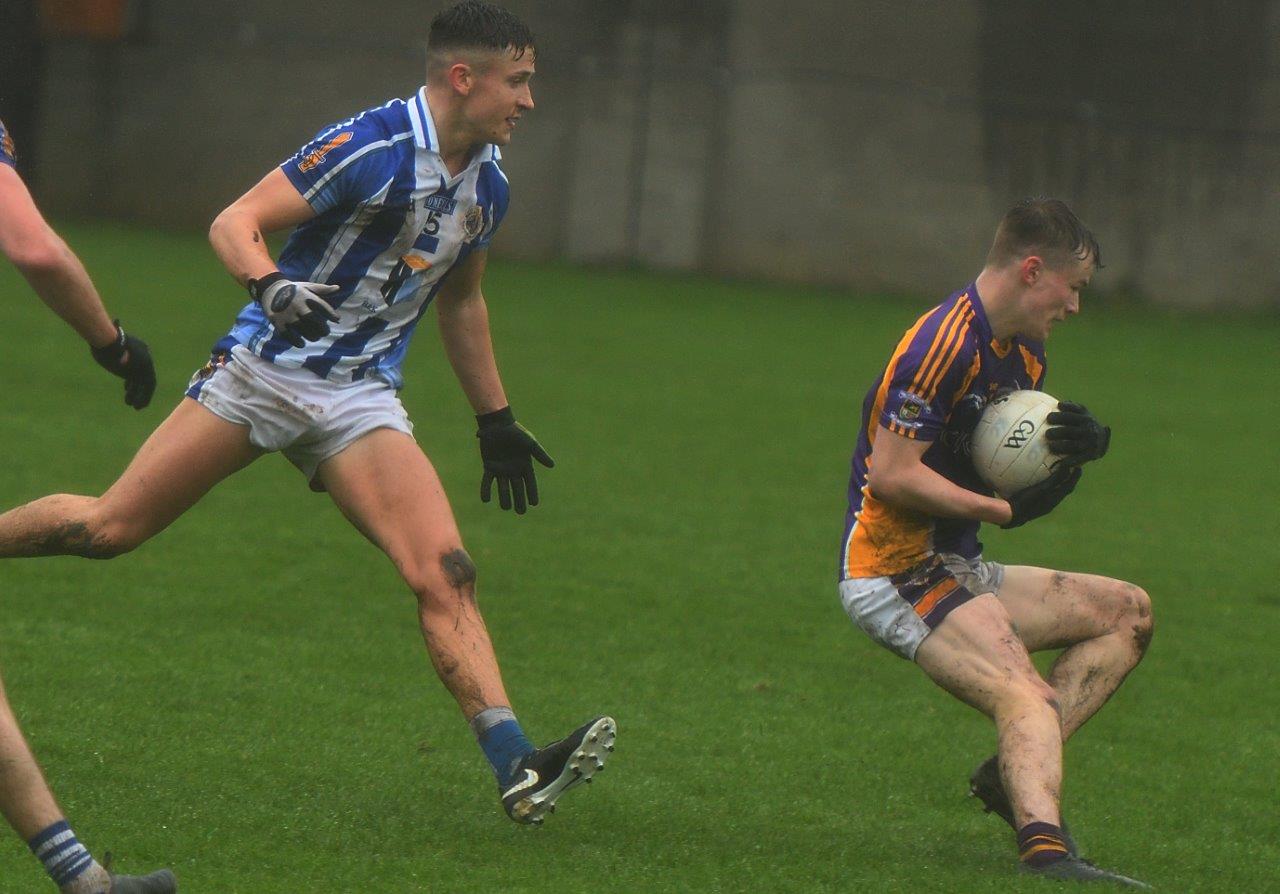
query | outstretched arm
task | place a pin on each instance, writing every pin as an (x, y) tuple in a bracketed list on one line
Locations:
[(58, 277), (464, 329), (507, 448), (52, 269)]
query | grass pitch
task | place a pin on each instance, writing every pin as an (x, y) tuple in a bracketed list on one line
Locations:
[(246, 698)]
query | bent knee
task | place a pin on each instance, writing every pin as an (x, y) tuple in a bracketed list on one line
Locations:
[(91, 534), (1138, 616), (450, 577), (112, 538), (458, 568), (1034, 695)]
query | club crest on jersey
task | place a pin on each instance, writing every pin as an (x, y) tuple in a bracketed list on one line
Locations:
[(315, 157), (473, 222), (911, 408)]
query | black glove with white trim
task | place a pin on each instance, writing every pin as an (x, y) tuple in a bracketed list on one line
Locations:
[(297, 310), (129, 358)]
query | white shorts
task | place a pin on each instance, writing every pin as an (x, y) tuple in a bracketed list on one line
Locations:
[(307, 418), (898, 612)]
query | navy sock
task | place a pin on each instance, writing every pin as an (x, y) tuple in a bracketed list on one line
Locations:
[(63, 856), (501, 740), (1040, 844)]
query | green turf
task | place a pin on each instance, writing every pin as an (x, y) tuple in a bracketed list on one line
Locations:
[(246, 697)]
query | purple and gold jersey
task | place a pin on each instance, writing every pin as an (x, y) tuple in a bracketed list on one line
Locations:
[(8, 154), (949, 355)]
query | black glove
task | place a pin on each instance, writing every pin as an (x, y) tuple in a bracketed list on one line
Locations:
[(1040, 499), (138, 372), (507, 449), (958, 431), (1076, 435), (297, 310)]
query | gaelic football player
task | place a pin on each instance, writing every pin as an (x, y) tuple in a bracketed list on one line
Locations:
[(392, 211), (60, 280), (912, 572)]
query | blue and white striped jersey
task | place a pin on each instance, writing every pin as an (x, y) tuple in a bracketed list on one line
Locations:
[(7, 153), (390, 224)]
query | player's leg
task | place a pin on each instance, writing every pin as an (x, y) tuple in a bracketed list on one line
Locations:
[(1105, 626), (975, 654), (29, 806), (25, 799), (189, 453), (388, 489)]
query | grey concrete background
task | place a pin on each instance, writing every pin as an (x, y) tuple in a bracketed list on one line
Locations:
[(863, 143)]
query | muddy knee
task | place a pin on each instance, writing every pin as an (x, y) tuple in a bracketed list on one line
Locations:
[(447, 581), (1140, 621), (458, 568), (93, 536)]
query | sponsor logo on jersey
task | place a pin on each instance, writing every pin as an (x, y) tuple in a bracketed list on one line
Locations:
[(315, 157), (441, 203), (473, 222)]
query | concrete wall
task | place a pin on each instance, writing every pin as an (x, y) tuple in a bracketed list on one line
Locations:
[(866, 143)]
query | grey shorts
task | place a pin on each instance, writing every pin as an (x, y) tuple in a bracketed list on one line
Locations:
[(294, 411), (898, 612)]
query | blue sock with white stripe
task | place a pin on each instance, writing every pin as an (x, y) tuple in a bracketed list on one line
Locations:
[(501, 740), (64, 857)]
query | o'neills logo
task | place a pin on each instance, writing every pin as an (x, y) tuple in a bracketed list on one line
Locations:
[(315, 157)]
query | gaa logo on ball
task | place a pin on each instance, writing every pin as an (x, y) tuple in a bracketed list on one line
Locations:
[(1009, 448)]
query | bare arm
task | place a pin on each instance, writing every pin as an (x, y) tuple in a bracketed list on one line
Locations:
[(48, 264), (899, 476), (464, 329), (238, 233)]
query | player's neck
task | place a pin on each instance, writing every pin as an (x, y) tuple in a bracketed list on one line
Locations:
[(458, 142), (998, 292)]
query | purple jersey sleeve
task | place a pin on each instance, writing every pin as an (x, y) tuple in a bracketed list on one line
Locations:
[(928, 373)]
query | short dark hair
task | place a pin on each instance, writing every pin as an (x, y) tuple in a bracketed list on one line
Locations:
[(1043, 226), (475, 25)]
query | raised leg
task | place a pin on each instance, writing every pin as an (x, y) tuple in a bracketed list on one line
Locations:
[(188, 454), (1103, 625)]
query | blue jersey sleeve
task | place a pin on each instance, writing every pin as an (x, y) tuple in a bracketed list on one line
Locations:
[(492, 195), (344, 165), (8, 154)]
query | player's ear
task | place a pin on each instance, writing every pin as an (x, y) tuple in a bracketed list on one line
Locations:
[(1031, 269), (461, 77)]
